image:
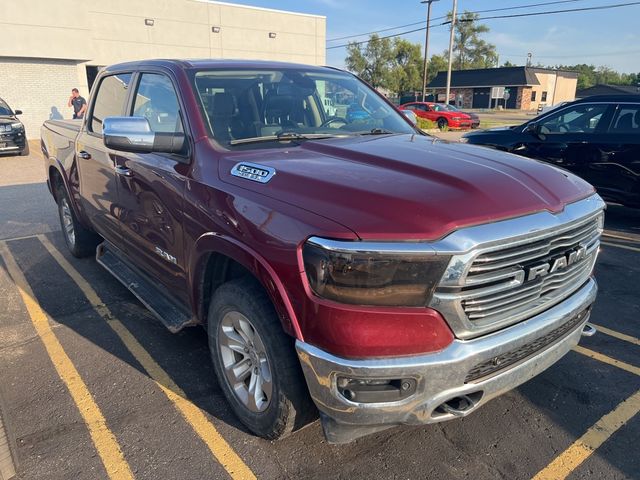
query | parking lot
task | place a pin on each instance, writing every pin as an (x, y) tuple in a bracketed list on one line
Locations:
[(93, 387)]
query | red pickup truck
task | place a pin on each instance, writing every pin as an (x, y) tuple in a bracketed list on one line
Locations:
[(347, 261)]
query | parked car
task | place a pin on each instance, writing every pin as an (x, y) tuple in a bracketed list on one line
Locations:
[(597, 138), (475, 119), (439, 114), (386, 276), (13, 138)]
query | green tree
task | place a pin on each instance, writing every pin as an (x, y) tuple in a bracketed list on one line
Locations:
[(469, 50), (437, 63), (406, 70), (372, 62)]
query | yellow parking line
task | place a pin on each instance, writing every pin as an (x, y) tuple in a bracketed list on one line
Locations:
[(605, 359), (618, 335), (583, 448), (622, 237), (103, 439), (626, 247), (218, 446)]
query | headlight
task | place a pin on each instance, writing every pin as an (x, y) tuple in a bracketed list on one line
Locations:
[(17, 126), (457, 119), (363, 273), (463, 140)]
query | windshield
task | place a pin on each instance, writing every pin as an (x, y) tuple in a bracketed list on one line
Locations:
[(290, 104), (451, 108), (4, 108)]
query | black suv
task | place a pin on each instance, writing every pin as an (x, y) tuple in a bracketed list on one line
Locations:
[(597, 138), (12, 135)]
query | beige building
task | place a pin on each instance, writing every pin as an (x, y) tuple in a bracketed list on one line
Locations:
[(521, 88), (56, 45)]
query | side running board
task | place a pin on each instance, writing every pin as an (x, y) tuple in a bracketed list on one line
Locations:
[(174, 315)]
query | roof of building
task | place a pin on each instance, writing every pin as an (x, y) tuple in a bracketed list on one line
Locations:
[(496, 77), (605, 89)]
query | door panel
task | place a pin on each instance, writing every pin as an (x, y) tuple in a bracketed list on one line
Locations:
[(98, 186), (151, 191)]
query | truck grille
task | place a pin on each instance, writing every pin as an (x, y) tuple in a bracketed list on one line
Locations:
[(501, 274), (496, 286)]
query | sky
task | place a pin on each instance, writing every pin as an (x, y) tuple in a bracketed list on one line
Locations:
[(601, 37)]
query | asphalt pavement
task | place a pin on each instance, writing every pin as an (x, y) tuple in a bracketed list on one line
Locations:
[(93, 387)]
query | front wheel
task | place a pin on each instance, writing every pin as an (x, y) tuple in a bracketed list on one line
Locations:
[(255, 361), (443, 124)]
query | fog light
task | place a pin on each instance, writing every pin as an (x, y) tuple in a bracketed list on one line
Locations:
[(376, 390)]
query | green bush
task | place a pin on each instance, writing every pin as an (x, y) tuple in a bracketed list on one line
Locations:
[(425, 124)]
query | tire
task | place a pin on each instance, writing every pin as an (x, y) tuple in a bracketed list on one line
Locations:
[(443, 124), (238, 308), (81, 241)]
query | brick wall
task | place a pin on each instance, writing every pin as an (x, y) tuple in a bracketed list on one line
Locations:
[(523, 101), (40, 88)]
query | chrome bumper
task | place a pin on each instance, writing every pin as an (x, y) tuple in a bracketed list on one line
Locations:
[(440, 376)]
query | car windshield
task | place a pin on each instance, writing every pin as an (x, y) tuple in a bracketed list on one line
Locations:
[(451, 108), (256, 106), (4, 109)]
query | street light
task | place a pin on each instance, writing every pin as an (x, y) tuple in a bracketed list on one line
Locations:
[(426, 48)]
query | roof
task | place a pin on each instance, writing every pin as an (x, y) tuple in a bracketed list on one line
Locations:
[(214, 63), (611, 98), (496, 77), (605, 89)]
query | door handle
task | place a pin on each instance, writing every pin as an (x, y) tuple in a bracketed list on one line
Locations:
[(84, 155), (124, 171)]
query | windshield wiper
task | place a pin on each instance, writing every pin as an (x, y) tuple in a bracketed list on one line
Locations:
[(285, 137), (377, 131)]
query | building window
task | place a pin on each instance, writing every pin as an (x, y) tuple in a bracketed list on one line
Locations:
[(533, 96), (543, 97)]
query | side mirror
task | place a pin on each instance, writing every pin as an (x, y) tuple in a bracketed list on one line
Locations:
[(411, 116), (535, 129), (134, 134), (17, 112)]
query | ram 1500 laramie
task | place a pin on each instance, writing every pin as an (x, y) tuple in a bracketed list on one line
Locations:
[(340, 258)]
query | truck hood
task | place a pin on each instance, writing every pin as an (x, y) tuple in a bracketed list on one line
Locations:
[(407, 186)]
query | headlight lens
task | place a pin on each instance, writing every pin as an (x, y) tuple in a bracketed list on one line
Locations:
[(16, 126), (358, 277)]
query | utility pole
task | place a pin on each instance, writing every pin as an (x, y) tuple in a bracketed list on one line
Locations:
[(426, 48), (451, 35)]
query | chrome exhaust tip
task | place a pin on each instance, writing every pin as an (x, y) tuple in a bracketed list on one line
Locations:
[(588, 330)]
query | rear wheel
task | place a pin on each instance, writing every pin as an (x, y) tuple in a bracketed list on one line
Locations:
[(443, 124), (81, 241), (255, 361)]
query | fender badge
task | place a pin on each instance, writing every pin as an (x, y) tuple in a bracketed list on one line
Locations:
[(253, 171)]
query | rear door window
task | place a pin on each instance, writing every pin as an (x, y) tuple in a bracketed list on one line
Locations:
[(110, 100)]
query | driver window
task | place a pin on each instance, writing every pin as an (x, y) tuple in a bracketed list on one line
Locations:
[(156, 100), (576, 119)]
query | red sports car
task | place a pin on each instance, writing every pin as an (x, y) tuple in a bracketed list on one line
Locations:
[(439, 114)]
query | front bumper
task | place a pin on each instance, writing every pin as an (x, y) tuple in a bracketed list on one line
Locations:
[(12, 142), (444, 375)]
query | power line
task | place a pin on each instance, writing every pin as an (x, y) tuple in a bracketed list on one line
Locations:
[(445, 16), (532, 14), (571, 10)]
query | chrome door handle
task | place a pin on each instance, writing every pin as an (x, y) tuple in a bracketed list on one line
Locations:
[(84, 155), (124, 171)]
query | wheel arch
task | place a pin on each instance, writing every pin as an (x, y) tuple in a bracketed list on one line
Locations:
[(217, 259)]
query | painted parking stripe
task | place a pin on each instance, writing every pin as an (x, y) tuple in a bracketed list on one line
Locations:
[(583, 448), (606, 233), (618, 335), (626, 247), (103, 439), (218, 446), (608, 360)]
